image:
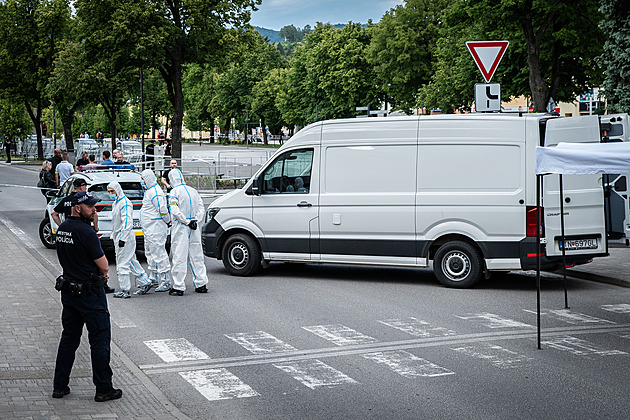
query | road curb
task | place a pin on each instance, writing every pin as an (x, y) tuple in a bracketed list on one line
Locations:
[(597, 278)]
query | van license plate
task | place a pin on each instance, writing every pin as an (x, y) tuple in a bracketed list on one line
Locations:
[(136, 224), (580, 244)]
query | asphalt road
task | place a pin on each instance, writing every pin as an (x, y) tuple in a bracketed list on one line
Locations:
[(325, 342)]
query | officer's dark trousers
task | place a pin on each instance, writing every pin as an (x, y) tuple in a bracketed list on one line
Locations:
[(91, 310)]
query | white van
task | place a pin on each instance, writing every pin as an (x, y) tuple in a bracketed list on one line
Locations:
[(458, 190)]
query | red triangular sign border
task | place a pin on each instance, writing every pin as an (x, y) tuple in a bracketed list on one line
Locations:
[(472, 47)]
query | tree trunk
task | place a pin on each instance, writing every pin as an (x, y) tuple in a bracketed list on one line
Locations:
[(537, 83), (36, 117), (227, 128), (66, 122)]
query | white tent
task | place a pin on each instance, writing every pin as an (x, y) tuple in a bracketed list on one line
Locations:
[(576, 159), (584, 158)]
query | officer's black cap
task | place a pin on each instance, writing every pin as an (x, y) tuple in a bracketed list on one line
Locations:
[(79, 182), (82, 197)]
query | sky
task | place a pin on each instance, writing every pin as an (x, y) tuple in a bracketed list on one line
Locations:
[(274, 14)]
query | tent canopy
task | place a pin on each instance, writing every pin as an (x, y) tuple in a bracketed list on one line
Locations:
[(584, 158)]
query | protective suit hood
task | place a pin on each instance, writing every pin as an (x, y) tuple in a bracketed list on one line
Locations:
[(176, 178), (149, 178), (116, 187)]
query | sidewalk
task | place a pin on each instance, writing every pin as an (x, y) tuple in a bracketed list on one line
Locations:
[(29, 333), (614, 269)]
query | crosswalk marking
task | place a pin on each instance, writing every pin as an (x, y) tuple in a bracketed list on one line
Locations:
[(579, 347), (574, 318), (497, 355), (176, 350), (417, 328), (495, 321), (622, 308), (315, 374), (407, 365), (260, 342), (218, 384), (340, 334), (122, 321)]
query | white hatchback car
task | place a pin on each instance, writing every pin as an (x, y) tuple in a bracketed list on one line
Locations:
[(97, 180)]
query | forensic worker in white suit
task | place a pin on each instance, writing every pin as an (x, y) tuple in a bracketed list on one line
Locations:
[(156, 219), (125, 244), (187, 211)]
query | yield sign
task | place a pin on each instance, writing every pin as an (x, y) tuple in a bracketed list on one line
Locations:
[(487, 55)]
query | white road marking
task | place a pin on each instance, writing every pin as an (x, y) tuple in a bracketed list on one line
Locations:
[(24, 238), (176, 350), (574, 318), (315, 374), (260, 342), (417, 328), (407, 365), (622, 308), (218, 384), (495, 321), (579, 347), (340, 334), (497, 355), (122, 321)]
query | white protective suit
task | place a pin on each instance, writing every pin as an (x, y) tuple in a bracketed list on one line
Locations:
[(186, 249), (122, 224), (155, 219)]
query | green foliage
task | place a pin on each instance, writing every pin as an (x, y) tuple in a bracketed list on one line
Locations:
[(330, 75), (616, 57), (402, 47), (30, 35), (14, 121), (551, 53), (233, 90), (291, 34)]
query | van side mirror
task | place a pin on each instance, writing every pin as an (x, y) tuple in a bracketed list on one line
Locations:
[(254, 188)]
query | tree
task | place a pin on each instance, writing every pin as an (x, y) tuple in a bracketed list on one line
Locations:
[(551, 53), (330, 76), (14, 121), (402, 47), (114, 50), (30, 35), (616, 57), (189, 31), (68, 86), (291, 34), (264, 97), (233, 89)]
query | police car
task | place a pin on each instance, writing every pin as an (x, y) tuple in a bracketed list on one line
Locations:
[(97, 178)]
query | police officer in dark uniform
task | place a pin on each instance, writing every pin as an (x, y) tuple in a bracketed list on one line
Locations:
[(65, 207), (85, 268)]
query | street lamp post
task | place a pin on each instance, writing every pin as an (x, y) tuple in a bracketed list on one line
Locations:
[(54, 128), (142, 113)]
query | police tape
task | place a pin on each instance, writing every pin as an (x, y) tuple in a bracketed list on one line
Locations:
[(28, 187)]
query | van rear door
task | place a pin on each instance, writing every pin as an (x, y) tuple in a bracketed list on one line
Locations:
[(583, 195)]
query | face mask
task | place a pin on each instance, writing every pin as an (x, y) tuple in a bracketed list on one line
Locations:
[(113, 197)]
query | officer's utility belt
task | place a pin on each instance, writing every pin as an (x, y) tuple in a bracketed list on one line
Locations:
[(94, 285)]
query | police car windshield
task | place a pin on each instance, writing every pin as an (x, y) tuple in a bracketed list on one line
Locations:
[(133, 191)]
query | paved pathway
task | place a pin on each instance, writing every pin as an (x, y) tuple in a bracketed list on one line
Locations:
[(29, 335)]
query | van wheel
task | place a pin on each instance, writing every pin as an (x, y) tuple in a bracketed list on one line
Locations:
[(46, 234), (457, 264), (241, 255)]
